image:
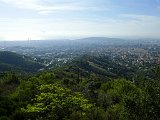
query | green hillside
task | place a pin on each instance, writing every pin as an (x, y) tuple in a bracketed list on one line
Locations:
[(104, 66), (85, 89), (10, 61)]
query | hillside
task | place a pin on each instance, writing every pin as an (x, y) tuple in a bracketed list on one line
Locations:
[(104, 67), (10, 61), (88, 88)]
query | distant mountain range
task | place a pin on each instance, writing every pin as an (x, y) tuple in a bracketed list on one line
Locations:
[(84, 41), (10, 61)]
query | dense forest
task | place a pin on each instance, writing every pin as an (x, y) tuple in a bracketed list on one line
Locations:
[(87, 88), (10, 61)]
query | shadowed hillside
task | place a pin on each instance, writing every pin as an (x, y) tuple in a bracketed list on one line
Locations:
[(10, 61)]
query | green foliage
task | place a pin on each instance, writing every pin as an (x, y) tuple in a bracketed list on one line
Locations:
[(4, 118), (157, 72), (97, 113), (59, 94), (48, 77), (117, 112), (9, 78), (27, 90), (7, 107), (152, 100), (10, 61), (125, 100), (55, 102)]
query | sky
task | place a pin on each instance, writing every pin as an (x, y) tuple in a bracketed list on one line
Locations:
[(70, 19)]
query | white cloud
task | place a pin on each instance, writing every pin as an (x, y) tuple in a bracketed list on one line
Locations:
[(22, 3), (37, 5), (48, 6)]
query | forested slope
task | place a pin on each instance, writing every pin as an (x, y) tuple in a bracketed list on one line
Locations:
[(10, 61), (85, 89)]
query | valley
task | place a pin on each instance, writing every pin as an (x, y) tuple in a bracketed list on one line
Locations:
[(103, 79)]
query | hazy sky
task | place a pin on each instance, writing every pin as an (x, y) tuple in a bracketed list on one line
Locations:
[(45, 19)]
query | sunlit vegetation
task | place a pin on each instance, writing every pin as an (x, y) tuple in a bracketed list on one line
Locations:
[(83, 90)]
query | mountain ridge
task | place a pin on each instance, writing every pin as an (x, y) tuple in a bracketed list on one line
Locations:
[(10, 61)]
